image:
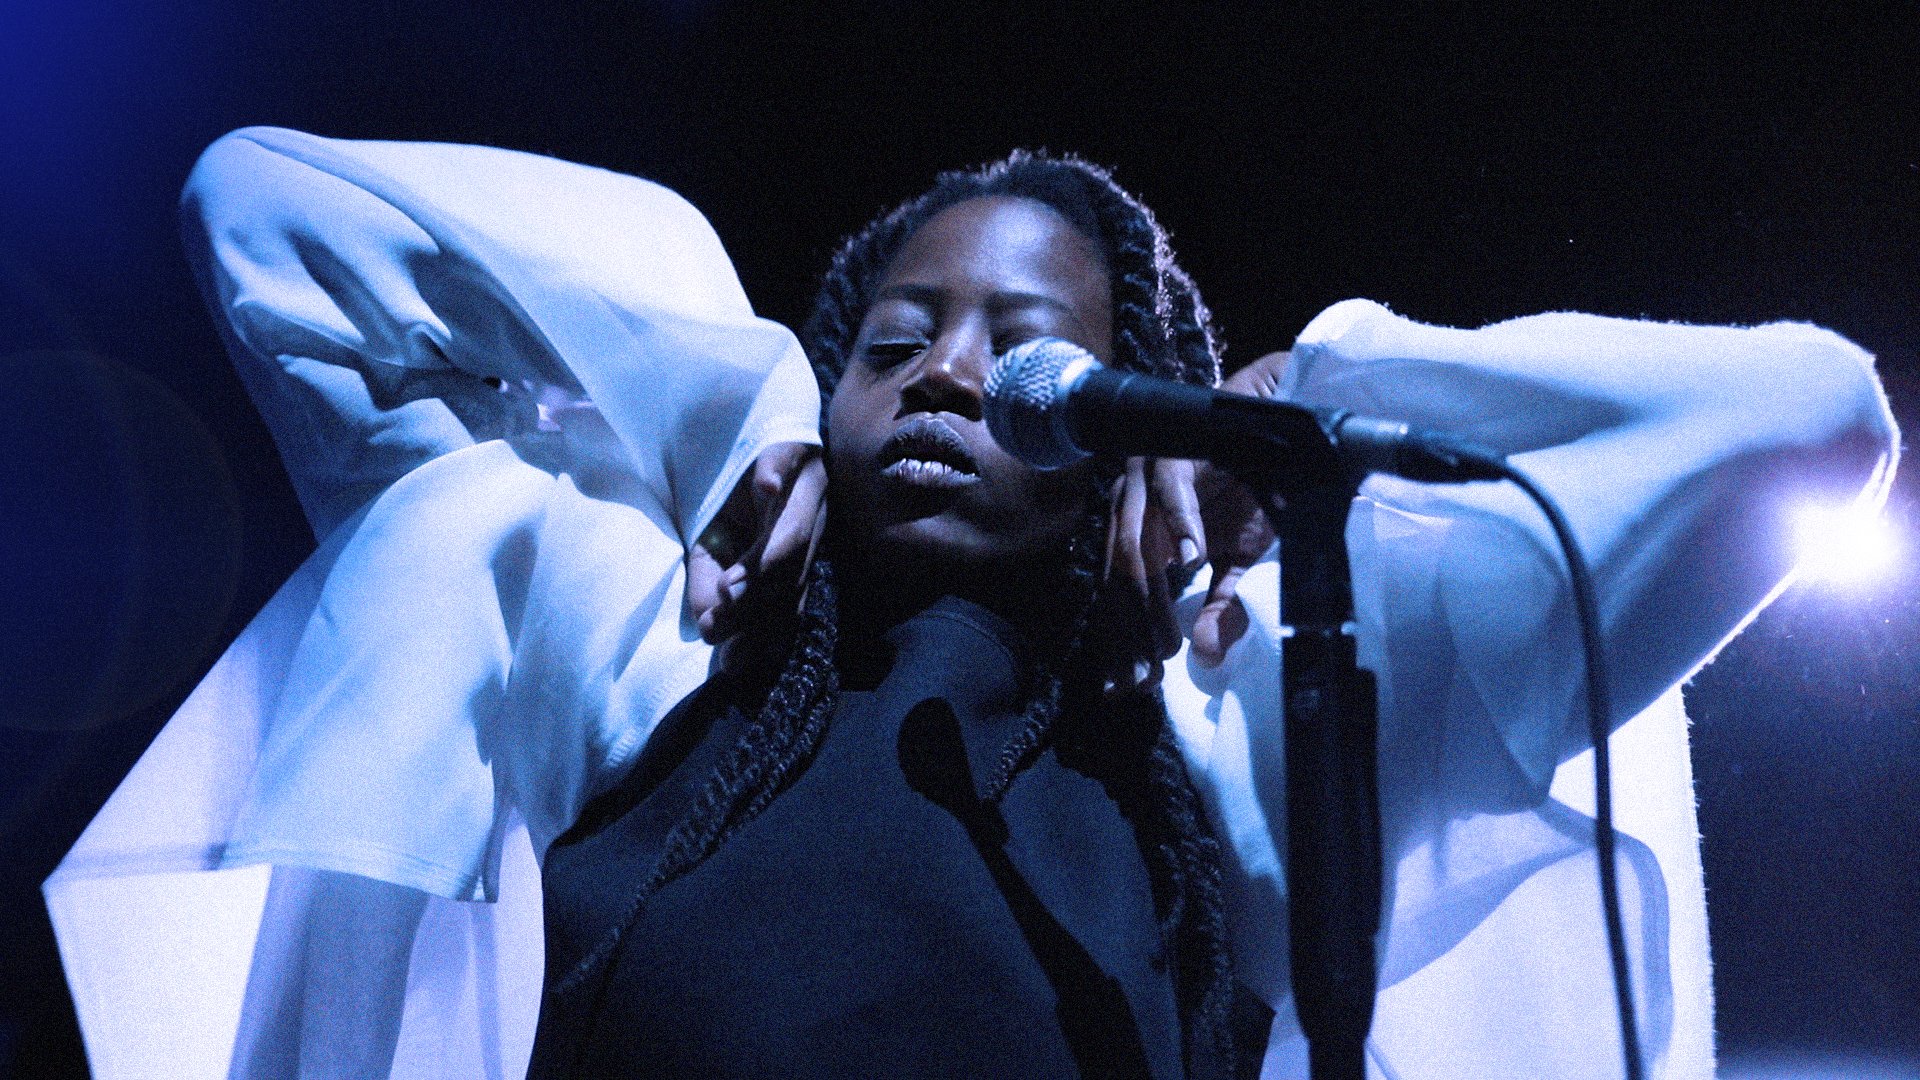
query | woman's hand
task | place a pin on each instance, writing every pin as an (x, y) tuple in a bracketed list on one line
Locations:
[(1156, 525), (1236, 526), (763, 534), (1169, 513)]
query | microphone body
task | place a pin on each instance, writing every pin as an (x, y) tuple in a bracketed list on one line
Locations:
[(1050, 403)]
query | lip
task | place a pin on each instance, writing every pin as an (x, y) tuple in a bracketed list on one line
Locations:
[(925, 452)]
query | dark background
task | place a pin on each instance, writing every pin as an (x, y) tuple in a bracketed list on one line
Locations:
[(1460, 166)]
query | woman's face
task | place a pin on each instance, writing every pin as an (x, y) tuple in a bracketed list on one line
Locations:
[(917, 484)]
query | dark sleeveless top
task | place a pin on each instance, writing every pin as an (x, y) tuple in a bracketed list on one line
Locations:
[(878, 918)]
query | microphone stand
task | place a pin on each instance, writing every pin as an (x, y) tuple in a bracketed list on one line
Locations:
[(1333, 787), (1334, 857)]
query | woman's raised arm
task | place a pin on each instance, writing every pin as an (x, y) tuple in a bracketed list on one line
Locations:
[(1680, 454), (510, 392), (387, 302)]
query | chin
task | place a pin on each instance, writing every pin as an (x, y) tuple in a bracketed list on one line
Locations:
[(934, 546), (933, 556)]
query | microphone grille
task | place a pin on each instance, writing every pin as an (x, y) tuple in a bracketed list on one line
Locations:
[(1026, 398)]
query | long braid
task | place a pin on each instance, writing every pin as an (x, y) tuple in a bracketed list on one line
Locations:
[(1197, 923), (1121, 736), (779, 741), (1084, 563), (1161, 325), (781, 738)]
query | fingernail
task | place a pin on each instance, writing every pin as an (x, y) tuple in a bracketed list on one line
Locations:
[(1189, 553)]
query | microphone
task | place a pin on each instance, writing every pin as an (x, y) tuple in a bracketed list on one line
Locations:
[(1050, 404)]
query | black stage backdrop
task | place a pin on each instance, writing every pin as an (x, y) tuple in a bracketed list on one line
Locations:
[(1459, 165)]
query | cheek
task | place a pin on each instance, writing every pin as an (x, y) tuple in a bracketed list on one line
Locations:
[(831, 420), (1052, 506), (860, 411), (846, 424)]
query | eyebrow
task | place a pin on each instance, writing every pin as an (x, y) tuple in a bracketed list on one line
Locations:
[(997, 303)]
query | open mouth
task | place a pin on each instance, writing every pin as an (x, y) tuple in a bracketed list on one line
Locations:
[(927, 452)]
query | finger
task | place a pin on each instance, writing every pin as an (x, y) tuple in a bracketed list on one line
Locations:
[(1222, 619), (1157, 550), (768, 489), (760, 524), (1262, 378), (793, 526), (1159, 547), (772, 478), (806, 564), (1129, 521), (713, 594), (705, 589), (784, 460), (1179, 504), (1225, 583), (725, 617)]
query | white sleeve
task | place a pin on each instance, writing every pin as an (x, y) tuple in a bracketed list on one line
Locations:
[(508, 390), (415, 270), (1680, 454)]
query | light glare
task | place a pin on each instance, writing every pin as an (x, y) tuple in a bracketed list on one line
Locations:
[(1843, 544)]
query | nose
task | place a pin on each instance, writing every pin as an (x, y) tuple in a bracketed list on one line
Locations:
[(950, 376)]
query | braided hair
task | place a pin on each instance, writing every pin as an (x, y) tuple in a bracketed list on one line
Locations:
[(1161, 326), (1117, 732)]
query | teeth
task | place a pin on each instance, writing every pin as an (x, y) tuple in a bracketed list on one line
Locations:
[(922, 467), (923, 471)]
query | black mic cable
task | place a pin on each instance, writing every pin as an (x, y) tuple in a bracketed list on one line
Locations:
[(1599, 727)]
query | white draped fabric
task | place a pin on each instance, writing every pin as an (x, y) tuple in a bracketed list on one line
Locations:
[(510, 391)]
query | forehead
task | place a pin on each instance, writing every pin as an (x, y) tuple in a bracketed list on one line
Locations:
[(1002, 244)]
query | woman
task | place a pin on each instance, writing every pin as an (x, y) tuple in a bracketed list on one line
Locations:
[(472, 670), (942, 556)]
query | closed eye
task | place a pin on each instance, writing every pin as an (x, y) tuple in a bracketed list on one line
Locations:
[(886, 354)]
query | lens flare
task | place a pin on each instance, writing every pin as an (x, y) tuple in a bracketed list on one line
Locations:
[(1843, 544)]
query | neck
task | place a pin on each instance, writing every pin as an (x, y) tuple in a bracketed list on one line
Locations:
[(874, 599)]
